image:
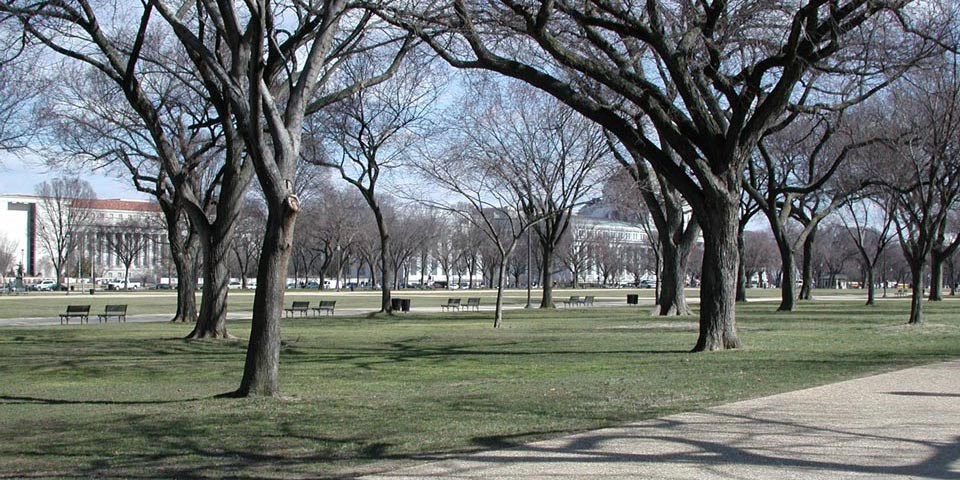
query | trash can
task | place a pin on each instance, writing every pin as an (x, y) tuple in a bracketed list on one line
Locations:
[(405, 304), (91, 291), (633, 299), (395, 304)]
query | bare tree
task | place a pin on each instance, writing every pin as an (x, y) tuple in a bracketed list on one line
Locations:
[(249, 235), (869, 222), (924, 183), (759, 252), (127, 240), (8, 255), (468, 171), (793, 177), (574, 251), (607, 256), (675, 228), (263, 67), (63, 211), (548, 156), (701, 79), (21, 84), (183, 167), (748, 209), (369, 133)]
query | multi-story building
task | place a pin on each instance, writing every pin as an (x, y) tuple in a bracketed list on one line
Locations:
[(110, 234)]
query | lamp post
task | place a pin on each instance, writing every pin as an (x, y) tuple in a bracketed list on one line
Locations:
[(68, 237)]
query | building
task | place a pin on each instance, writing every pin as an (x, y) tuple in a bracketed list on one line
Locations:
[(110, 234)]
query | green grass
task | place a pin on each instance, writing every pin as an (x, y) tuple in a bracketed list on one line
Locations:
[(134, 400)]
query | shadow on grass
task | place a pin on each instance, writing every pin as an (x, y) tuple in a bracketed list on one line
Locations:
[(412, 349), (23, 400)]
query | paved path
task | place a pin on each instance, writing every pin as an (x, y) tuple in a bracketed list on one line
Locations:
[(900, 425)]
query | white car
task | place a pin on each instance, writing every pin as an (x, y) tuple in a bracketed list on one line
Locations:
[(46, 285)]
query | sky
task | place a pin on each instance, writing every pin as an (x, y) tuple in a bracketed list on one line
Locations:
[(21, 175)]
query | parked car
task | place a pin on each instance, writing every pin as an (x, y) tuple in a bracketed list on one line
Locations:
[(647, 284), (46, 285), (234, 284), (120, 285)]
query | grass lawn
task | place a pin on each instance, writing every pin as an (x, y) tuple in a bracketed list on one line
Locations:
[(135, 401)]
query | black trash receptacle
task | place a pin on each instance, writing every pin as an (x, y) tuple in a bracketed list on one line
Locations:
[(633, 299), (395, 304), (405, 304), (91, 291)]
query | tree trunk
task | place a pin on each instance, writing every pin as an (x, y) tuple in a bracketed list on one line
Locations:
[(212, 322), (871, 289), (501, 275), (387, 273), (788, 278), (718, 321), (916, 295), (261, 371), (807, 267), (672, 299), (936, 276), (741, 271), (546, 300), (184, 260)]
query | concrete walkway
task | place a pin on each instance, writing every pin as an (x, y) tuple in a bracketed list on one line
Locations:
[(900, 425)]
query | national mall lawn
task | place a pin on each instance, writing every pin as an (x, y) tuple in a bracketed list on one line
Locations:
[(366, 394)]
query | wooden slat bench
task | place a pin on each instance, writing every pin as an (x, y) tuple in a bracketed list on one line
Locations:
[(301, 307), (79, 311), (452, 303), (587, 301), (119, 311), (573, 301), (326, 306), (473, 303)]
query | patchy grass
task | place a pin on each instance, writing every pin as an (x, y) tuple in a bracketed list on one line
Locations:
[(361, 394)]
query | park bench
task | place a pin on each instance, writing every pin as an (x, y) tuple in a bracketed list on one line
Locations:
[(301, 307), (587, 301), (452, 303), (473, 303), (80, 311), (573, 300), (119, 311), (326, 306)]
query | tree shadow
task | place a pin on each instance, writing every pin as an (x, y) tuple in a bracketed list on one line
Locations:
[(24, 400), (925, 394)]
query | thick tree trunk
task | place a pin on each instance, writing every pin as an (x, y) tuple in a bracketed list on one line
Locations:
[(916, 296), (261, 371), (546, 300), (788, 278), (672, 300), (936, 277), (718, 321), (212, 321), (184, 260), (806, 290)]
